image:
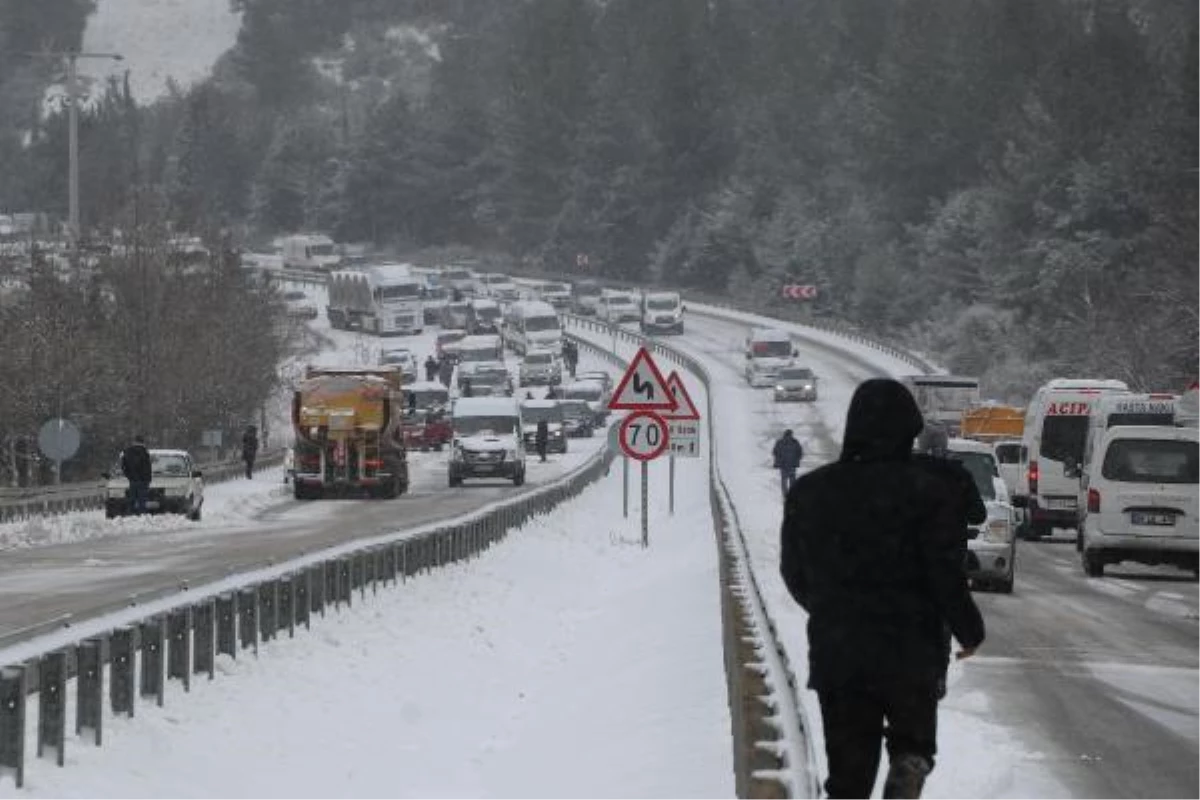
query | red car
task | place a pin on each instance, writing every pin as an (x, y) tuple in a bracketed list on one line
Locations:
[(426, 423)]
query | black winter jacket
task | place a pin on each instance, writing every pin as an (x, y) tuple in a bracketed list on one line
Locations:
[(872, 548), (135, 463), (787, 453)]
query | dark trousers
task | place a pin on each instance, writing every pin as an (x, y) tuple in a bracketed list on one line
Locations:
[(786, 478), (249, 466), (139, 494), (854, 718), (541, 450)]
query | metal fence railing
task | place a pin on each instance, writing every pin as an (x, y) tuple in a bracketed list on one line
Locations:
[(183, 640)]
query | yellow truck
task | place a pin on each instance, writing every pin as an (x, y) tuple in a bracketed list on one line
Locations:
[(349, 435), (991, 423)]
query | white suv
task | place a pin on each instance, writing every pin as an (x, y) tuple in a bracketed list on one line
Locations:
[(992, 548), (1142, 499), (176, 487)]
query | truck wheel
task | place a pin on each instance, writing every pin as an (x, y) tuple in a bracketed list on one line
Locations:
[(111, 511), (1093, 564)]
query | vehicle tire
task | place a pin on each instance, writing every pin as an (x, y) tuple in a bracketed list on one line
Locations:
[(1093, 564), (1004, 585), (454, 480), (110, 511), (519, 478), (439, 447), (1038, 530)]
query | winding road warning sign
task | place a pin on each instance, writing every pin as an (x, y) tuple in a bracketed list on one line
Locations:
[(642, 387)]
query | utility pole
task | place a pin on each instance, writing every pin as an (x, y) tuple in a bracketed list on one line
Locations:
[(72, 58)]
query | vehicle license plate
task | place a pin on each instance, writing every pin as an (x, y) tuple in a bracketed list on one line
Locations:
[(1152, 517), (1060, 502)]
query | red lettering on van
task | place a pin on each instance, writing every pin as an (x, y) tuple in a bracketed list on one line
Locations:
[(1065, 409)]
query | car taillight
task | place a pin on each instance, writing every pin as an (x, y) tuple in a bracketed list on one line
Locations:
[(1033, 477), (1093, 501)]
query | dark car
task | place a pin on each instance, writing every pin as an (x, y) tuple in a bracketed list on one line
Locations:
[(534, 411), (578, 420)]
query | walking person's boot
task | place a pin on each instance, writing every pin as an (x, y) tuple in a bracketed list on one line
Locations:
[(906, 776)]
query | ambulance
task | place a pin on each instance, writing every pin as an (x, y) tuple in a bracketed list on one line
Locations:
[(1056, 432)]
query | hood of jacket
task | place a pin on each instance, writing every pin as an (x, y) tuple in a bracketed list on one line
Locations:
[(882, 422)]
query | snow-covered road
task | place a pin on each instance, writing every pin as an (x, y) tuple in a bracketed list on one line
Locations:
[(1084, 688)]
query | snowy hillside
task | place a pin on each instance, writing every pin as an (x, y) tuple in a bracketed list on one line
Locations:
[(161, 39)]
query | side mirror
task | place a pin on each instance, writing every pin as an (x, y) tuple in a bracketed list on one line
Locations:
[(682, 307), (197, 473), (106, 476), (795, 352)]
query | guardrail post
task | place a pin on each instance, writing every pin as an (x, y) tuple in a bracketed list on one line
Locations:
[(120, 682), (302, 591), (248, 618), (89, 688), (227, 616), (152, 659), (268, 609), (373, 557), (345, 575), (389, 563), (12, 723), (404, 559), (204, 620), (317, 596), (179, 647), (52, 705), (285, 597), (333, 582)]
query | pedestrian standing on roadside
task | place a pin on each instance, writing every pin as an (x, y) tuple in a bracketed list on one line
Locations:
[(250, 449), (431, 369), (871, 548), (137, 469), (541, 438), (787, 454)]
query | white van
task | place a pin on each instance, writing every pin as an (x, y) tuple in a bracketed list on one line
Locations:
[(1142, 499), (1121, 409), (488, 440), (311, 251), (662, 312), (614, 307), (497, 286), (768, 350), (1056, 426), (532, 325)]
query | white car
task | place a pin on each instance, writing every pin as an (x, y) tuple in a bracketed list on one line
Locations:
[(176, 487), (1142, 499), (992, 548), (540, 367), (402, 358), (299, 305)]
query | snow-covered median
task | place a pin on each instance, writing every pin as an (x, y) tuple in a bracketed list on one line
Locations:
[(567, 661)]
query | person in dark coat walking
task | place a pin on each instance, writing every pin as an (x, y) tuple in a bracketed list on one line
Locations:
[(570, 356), (787, 454), (542, 438), (871, 548), (446, 371), (250, 449), (137, 469), (431, 369), (466, 390)]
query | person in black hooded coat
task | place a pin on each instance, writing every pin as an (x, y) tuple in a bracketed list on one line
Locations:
[(871, 548)]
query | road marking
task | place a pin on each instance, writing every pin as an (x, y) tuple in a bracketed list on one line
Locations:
[(1016, 662)]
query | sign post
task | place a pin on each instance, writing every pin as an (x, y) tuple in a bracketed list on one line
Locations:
[(684, 428), (644, 435)]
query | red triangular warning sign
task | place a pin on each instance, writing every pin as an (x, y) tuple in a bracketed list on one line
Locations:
[(685, 408), (642, 387)]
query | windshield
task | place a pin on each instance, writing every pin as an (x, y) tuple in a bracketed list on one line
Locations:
[(796, 374), (428, 398), (396, 357), (172, 466), (1141, 419), (478, 354), (1008, 453), (473, 426), (1063, 438), (322, 250), (1152, 461), (665, 304), (403, 291), (587, 290), (554, 288), (294, 296), (539, 358), (456, 275), (982, 468), (487, 313), (541, 323), (436, 293), (575, 409), (941, 399), (534, 414), (771, 349)]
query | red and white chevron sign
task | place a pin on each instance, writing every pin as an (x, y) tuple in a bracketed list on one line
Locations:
[(799, 291)]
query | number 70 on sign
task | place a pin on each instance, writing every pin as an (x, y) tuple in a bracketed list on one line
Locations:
[(644, 435)]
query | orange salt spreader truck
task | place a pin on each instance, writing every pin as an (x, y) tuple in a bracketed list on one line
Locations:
[(349, 439)]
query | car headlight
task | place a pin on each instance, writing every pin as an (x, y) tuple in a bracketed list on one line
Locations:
[(779, 389), (510, 455), (998, 530)]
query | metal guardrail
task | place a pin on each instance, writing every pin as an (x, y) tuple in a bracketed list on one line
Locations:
[(772, 752), (35, 501), (183, 639)]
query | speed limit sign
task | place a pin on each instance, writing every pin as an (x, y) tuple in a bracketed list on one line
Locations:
[(644, 436)]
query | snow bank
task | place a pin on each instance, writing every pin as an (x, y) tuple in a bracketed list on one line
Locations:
[(566, 662)]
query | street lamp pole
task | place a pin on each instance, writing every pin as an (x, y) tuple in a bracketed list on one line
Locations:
[(72, 57)]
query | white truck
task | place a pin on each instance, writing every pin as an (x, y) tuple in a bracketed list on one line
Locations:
[(768, 351), (383, 299), (662, 312), (310, 251)]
